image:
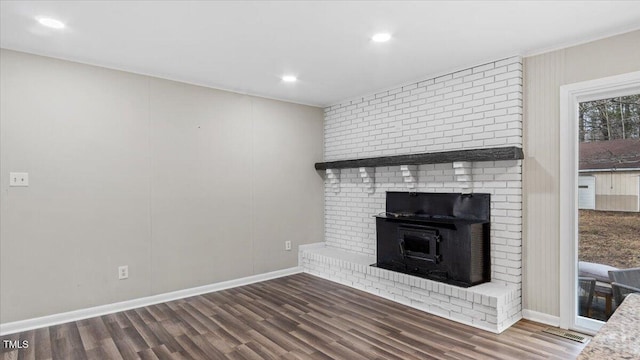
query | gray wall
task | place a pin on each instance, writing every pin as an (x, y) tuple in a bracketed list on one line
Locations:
[(187, 185), (543, 76)]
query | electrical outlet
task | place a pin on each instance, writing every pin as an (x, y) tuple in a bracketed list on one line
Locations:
[(18, 179), (287, 245), (123, 272)]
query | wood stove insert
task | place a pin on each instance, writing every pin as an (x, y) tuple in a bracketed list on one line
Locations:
[(439, 236)]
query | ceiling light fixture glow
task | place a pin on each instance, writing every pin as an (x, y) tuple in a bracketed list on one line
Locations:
[(289, 78), (381, 37), (51, 23)]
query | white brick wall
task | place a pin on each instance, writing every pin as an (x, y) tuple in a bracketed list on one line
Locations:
[(474, 108)]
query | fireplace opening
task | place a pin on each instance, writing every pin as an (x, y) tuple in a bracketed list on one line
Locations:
[(419, 243), (439, 236)]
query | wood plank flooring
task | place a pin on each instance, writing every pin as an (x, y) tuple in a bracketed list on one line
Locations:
[(294, 317)]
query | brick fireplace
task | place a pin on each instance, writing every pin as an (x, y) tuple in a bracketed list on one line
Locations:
[(476, 108)]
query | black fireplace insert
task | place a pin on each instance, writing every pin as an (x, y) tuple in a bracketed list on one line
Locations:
[(439, 236)]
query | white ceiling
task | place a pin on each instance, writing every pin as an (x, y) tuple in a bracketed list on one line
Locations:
[(247, 46)]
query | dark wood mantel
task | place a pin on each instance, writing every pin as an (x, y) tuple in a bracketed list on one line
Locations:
[(487, 154)]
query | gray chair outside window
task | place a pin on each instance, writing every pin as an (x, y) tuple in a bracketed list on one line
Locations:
[(586, 287), (624, 282), (600, 272)]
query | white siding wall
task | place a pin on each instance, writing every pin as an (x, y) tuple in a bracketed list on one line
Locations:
[(543, 76)]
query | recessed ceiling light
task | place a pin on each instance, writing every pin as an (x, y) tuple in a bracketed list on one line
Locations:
[(289, 78), (381, 37), (51, 23)]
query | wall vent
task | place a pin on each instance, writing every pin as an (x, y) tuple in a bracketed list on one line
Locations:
[(566, 334)]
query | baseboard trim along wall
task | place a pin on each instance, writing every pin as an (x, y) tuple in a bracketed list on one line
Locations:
[(55, 319), (541, 317)]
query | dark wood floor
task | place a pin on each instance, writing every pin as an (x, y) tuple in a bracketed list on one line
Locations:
[(295, 317)]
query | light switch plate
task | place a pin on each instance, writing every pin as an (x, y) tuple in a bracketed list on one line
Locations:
[(18, 179)]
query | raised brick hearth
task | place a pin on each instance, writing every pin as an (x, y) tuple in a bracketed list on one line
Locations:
[(490, 306)]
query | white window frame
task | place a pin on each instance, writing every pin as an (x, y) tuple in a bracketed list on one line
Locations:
[(570, 96)]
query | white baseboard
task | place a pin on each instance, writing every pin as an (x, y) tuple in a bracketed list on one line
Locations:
[(541, 317), (55, 319)]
